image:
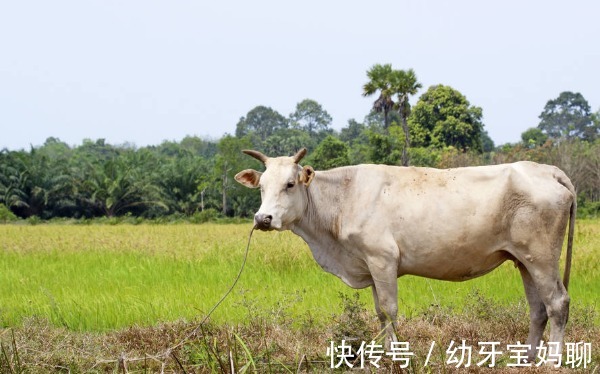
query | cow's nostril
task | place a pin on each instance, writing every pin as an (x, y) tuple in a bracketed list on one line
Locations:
[(263, 221)]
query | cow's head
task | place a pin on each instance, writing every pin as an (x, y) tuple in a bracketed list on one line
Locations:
[(282, 189)]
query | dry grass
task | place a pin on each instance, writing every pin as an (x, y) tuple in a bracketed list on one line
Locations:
[(266, 343)]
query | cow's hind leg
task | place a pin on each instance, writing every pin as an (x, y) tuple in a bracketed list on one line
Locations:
[(537, 313), (538, 237), (552, 293), (556, 299)]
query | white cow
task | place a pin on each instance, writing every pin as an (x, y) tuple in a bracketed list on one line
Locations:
[(370, 224)]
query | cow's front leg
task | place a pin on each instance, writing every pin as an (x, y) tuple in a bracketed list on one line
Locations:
[(385, 297), (388, 321)]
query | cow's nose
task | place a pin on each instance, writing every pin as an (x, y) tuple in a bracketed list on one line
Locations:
[(263, 221)]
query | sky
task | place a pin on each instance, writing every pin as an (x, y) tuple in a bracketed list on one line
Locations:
[(146, 71)]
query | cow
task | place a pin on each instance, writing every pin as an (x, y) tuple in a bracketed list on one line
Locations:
[(371, 224)]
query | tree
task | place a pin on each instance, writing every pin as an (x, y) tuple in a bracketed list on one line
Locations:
[(199, 146), (310, 116), (443, 117), (352, 132), (37, 183), (357, 137), (54, 192), (13, 181), (230, 160), (404, 84), (123, 184), (533, 137), (389, 82), (486, 141), (568, 116), (260, 123), (384, 147), (380, 80), (184, 181), (330, 153), (287, 142), (596, 119)]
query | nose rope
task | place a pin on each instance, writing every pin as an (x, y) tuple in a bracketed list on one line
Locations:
[(237, 278), (170, 351)]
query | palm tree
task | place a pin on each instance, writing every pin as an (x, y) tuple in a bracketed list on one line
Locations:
[(380, 80), (14, 178), (121, 184), (404, 83)]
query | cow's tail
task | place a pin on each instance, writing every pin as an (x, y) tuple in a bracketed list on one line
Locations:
[(571, 233), (565, 181)]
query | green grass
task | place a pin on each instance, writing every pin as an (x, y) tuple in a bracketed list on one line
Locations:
[(98, 278), (103, 298)]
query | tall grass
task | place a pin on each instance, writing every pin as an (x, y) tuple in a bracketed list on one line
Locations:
[(106, 298), (105, 277)]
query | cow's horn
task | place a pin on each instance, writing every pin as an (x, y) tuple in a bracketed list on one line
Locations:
[(256, 154), (298, 156)]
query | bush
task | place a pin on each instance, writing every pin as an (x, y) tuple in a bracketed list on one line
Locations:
[(353, 323), (204, 216), (429, 157), (588, 209), (6, 215), (34, 220)]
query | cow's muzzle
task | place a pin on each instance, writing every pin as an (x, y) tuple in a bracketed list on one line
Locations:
[(263, 221)]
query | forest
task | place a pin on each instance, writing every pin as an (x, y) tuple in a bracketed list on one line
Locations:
[(193, 178)]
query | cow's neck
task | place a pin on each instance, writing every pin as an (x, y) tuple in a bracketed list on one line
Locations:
[(322, 214), (321, 227)]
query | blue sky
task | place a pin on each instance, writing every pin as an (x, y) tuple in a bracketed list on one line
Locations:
[(147, 71)]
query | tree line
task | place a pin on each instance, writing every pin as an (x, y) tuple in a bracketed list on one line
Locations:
[(195, 176)]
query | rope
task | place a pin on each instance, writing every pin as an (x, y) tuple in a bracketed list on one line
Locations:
[(237, 278), (169, 351)]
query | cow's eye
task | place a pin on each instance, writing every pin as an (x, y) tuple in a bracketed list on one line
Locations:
[(291, 184)]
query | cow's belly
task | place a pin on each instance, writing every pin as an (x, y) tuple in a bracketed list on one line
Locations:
[(455, 239), (452, 265)]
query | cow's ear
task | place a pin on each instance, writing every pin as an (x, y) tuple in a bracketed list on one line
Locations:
[(248, 178), (306, 175)]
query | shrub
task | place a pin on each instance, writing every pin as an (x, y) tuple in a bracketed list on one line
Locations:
[(204, 216), (353, 323), (6, 215), (588, 209)]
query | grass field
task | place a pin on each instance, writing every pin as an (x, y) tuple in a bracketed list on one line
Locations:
[(103, 279)]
